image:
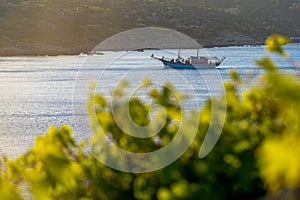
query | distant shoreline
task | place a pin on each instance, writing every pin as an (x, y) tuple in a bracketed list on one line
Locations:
[(60, 51)]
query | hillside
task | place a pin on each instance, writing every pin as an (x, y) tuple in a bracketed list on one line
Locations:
[(31, 27)]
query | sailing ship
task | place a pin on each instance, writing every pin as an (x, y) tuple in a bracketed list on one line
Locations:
[(192, 62)]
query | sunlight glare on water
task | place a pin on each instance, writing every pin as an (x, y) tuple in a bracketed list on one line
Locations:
[(38, 91)]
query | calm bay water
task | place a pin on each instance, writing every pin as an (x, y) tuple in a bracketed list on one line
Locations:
[(40, 91)]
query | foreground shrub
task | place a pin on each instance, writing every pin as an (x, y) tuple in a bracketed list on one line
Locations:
[(257, 153)]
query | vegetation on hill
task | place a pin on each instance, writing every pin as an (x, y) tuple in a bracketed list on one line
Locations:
[(257, 154), (73, 26)]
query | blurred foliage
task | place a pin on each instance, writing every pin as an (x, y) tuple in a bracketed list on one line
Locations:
[(274, 44), (257, 153)]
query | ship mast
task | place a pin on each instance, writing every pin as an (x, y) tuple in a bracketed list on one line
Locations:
[(198, 39), (179, 46)]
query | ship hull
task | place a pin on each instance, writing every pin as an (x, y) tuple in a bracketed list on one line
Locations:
[(179, 65)]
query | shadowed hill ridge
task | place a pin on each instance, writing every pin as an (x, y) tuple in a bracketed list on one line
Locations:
[(72, 26)]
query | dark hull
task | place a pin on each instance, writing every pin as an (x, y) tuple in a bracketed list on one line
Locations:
[(180, 65)]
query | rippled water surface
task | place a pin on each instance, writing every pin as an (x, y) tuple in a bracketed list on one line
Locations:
[(40, 91)]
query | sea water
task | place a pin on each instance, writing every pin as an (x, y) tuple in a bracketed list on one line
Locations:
[(40, 91)]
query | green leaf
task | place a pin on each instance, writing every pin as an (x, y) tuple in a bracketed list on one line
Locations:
[(267, 64), (275, 42)]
